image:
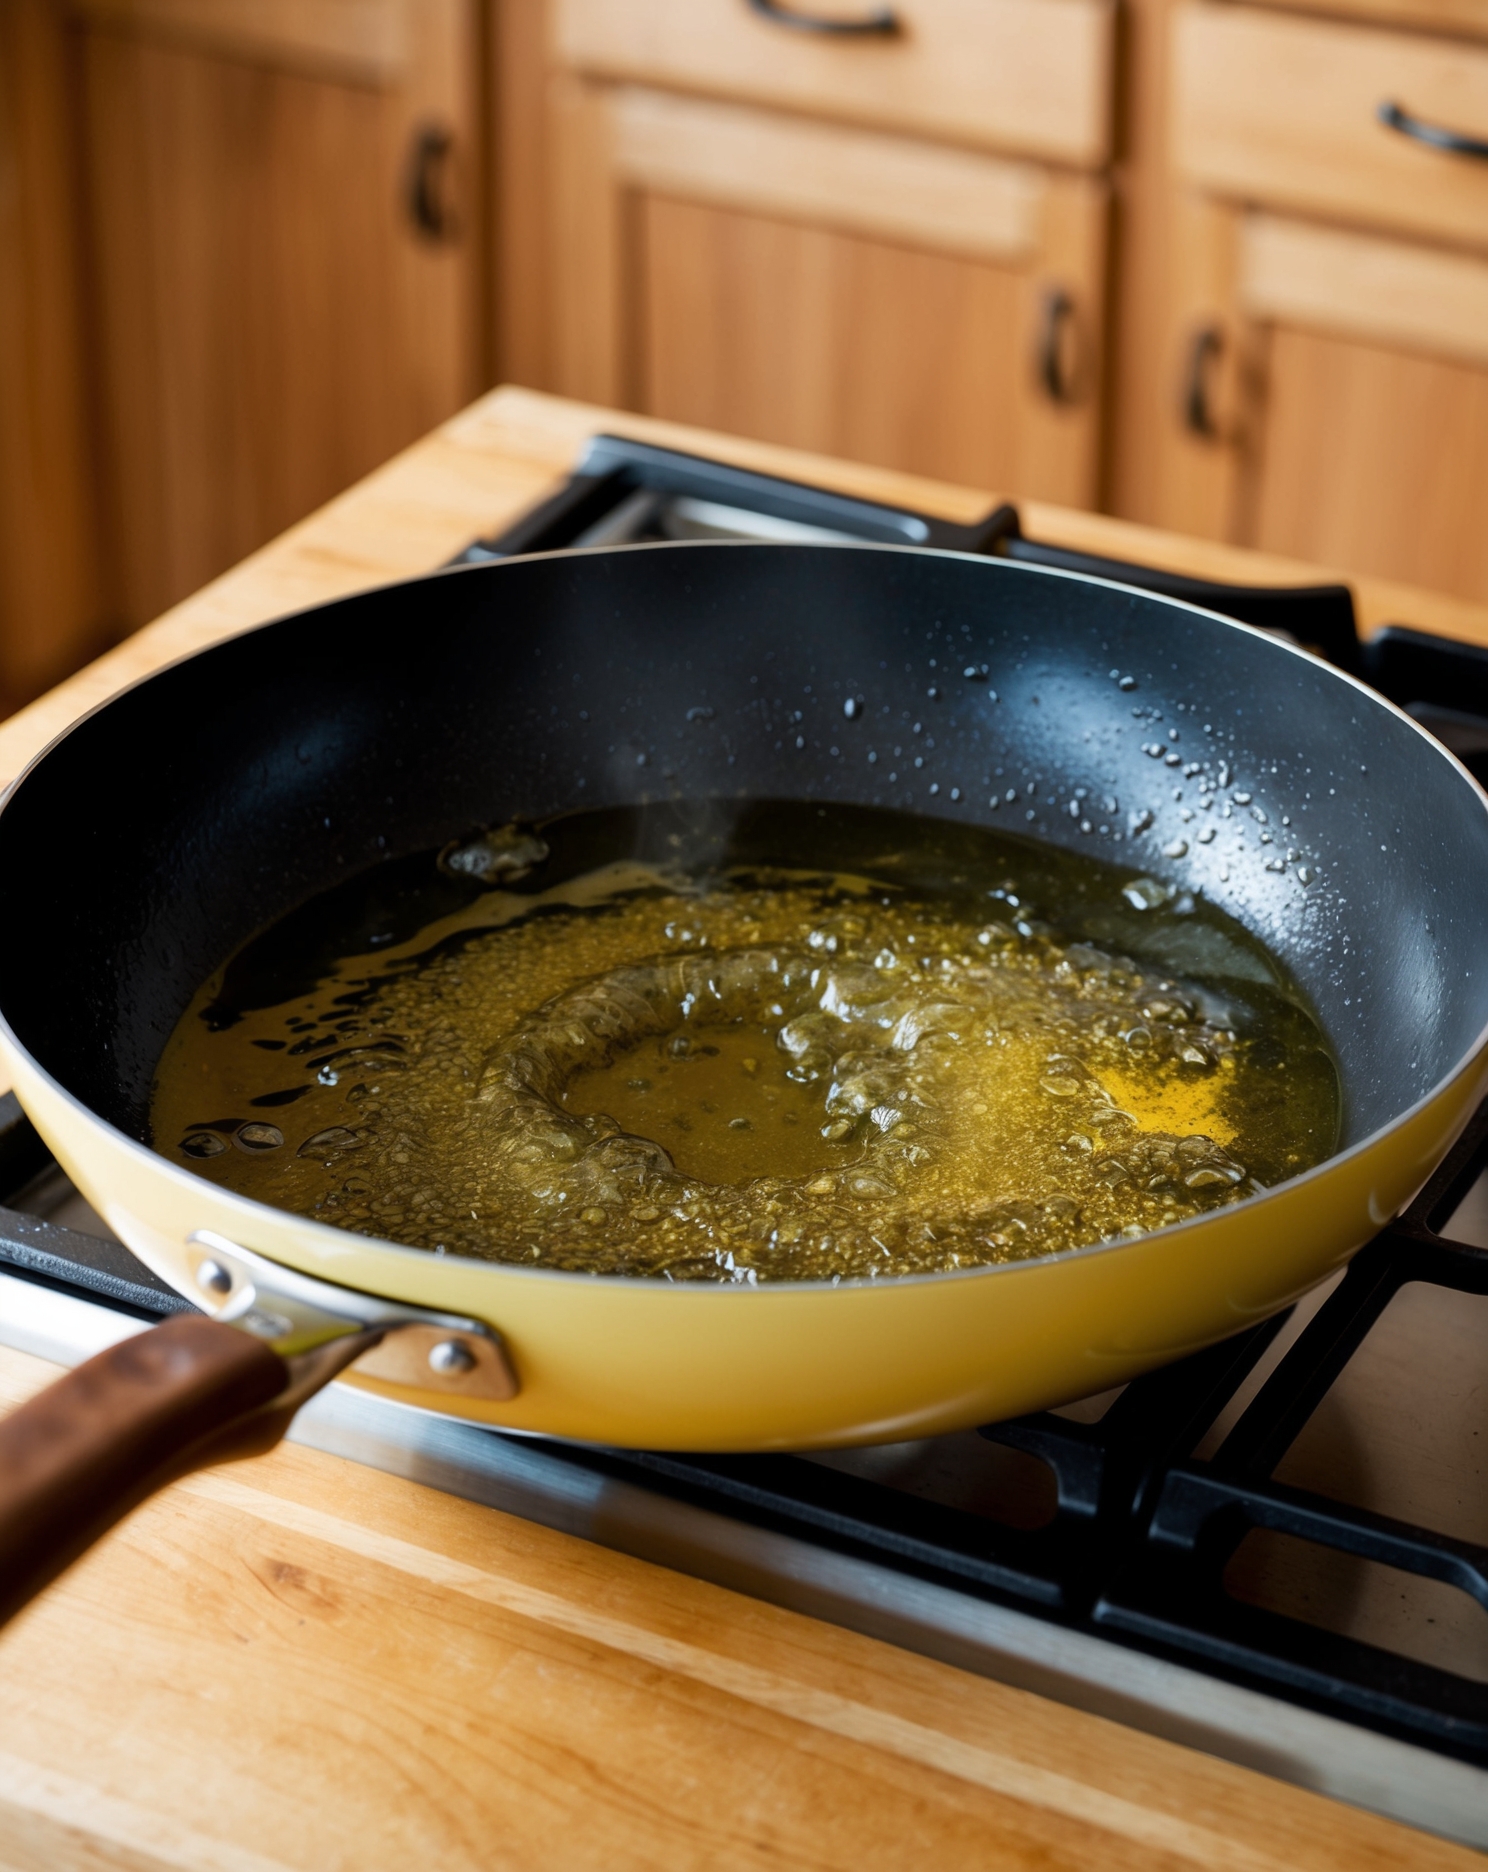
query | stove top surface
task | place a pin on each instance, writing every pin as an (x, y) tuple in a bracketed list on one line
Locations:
[(1276, 1549)]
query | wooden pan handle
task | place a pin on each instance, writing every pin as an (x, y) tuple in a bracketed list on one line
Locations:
[(78, 1457)]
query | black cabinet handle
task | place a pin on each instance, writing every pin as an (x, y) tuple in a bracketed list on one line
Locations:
[(427, 193), (1436, 135), (1204, 352), (1058, 374), (881, 24)]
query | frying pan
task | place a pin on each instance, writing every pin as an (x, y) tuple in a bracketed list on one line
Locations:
[(162, 831)]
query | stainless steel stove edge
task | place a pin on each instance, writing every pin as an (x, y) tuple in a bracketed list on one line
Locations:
[(1277, 1738)]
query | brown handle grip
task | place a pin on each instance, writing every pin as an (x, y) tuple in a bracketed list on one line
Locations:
[(78, 1457)]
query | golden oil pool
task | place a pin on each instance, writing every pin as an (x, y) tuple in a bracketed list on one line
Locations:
[(639, 1042)]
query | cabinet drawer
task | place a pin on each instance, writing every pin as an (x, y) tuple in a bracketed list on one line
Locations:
[(1029, 75), (1280, 111)]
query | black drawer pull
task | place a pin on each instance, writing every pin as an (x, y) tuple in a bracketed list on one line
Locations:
[(428, 192), (1419, 131), (1057, 357), (1204, 351), (879, 25)]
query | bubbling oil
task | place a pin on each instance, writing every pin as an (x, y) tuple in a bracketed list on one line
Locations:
[(698, 1064)]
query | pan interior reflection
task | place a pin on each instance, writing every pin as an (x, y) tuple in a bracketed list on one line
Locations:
[(915, 1048)]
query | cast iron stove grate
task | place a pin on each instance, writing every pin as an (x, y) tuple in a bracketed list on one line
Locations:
[(1142, 1532)]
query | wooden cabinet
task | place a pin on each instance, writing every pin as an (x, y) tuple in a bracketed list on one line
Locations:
[(282, 260), (889, 247), (54, 605), (1330, 282), (1201, 284), (1034, 75), (260, 275)]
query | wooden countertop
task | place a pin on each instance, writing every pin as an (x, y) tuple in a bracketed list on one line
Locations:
[(299, 1662)]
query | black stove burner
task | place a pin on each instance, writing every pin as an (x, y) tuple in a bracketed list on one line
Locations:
[(1140, 1528)]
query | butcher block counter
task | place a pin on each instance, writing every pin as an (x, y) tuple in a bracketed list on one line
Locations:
[(301, 1662)]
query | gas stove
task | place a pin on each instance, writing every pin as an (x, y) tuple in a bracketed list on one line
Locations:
[(1275, 1550)]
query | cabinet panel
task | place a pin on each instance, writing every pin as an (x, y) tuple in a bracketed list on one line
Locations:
[(1418, 298), (1032, 75), (830, 342), (272, 321), (1445, 16), (362, 41), (1346, 398), (926, 309), (1281, 111), (54, 610), (916, 192), (1375, 459)]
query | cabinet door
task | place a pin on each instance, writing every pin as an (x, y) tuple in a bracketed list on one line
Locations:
[(922, 307), (53, 607), (1372, 447), (1330, 308), (1335, 399), (283, 260)]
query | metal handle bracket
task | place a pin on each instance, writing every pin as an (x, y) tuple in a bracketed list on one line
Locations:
[(320, 1328)]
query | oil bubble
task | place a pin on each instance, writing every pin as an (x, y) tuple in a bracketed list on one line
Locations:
[(1147, 893), (257, 1137), (498, 856), (334, 1141)]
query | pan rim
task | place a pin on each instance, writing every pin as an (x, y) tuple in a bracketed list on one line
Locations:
[(400, 1253)]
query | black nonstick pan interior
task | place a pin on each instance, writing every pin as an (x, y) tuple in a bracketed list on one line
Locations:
[(163, 831)]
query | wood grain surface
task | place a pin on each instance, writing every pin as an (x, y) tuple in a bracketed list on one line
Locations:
[(1282, 111), (923, 195), (1032, 76), (301, 1663), (54, 610), (363, 41), (1421, 300), (268, 322)]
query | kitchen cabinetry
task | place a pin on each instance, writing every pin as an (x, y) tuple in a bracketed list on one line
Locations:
[(1201, 284), (893, 245), (1331, 292), (249, 240), (53, 604), (886, 244), (282, 242)]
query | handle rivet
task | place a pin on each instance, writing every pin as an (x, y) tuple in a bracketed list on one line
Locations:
[(214, 1277), (450, 1357)]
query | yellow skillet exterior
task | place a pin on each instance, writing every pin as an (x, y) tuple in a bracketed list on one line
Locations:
[(648, 1364)]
